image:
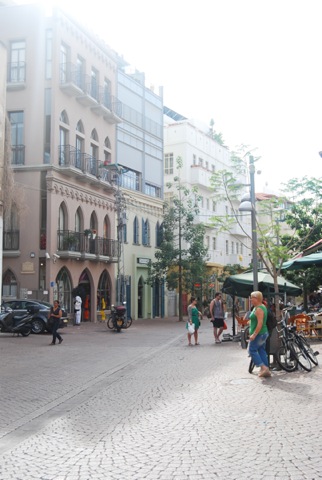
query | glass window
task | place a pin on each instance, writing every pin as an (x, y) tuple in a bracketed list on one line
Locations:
[(152, 190), (130, 179), (145, 232), (168, 163), (63, 63), (136, 231), (17, 71), (80, 72), (17, 135), (94, 83)]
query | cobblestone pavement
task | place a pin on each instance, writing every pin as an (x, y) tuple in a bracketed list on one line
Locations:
[(143, 405)]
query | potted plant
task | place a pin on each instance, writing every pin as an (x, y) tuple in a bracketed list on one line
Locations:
[(87, 232)]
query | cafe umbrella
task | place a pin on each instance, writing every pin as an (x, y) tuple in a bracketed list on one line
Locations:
[(242, 285), (301, 263)]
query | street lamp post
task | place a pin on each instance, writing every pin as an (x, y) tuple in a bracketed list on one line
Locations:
[(247, 206)]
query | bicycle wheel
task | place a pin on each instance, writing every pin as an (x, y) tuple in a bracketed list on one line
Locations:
[(109, 322), (245, 337), (286, 359), (309, 350), (128, 323), (251, 366), (301, 356)]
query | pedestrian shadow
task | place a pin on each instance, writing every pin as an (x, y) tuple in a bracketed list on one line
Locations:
[(287, 382)]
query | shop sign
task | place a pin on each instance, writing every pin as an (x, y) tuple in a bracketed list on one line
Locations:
[(143, 261)]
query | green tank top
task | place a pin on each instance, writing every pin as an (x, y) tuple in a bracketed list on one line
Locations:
[(253, 321)]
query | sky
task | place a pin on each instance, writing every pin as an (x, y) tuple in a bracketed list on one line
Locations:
[(254, 66)]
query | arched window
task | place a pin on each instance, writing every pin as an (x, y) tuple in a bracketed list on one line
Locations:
[(93, 222), (145, 232), (80, 140), (107, 227), (9, 285), (62, 227), (136, 231), (93, 167), (62, 217), (64, 290), (78, 220), (64, 117), (158, 234), (64, 150), (94, 135), (107, 151)]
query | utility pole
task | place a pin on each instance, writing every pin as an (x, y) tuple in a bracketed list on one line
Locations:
[(3, 84), (121, 222)]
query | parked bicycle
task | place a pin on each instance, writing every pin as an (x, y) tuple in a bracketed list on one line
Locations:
[(295, 349)]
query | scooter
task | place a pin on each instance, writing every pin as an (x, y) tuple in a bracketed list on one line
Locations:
[(11, 323), (117, 319)]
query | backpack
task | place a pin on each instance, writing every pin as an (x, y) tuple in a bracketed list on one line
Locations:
[(271, 321)]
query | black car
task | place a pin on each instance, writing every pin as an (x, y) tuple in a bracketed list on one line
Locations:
[(40, 321)]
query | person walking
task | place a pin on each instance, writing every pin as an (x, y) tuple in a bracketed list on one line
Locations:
[(78, 309), (55, 316), (217, 311), (193, 319), (258, 334)]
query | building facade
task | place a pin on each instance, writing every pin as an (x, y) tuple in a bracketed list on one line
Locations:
[(87, 154), (139, 143), (202, 157)]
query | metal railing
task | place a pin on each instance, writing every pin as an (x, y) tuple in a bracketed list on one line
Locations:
[(69, 240), (69, 74), (69, 156), (18, 154)]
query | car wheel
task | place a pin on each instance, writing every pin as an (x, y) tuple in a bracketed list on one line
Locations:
[(37, 326)]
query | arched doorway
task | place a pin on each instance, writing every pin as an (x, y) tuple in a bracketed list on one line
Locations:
[(104, 292), (83, 289)]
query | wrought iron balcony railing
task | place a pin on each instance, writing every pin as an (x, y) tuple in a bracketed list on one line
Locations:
[(71, 241), (69, 156)]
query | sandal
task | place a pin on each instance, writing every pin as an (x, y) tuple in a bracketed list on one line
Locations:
[(189, 344), (197, 343)]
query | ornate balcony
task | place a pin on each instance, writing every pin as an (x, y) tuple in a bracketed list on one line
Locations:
[(87, 246)]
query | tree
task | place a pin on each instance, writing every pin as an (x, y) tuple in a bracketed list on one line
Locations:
[(305, 217), (181, 256), (272, 247)]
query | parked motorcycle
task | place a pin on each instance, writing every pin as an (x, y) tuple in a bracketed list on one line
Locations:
[(11, 323), (117, 319)]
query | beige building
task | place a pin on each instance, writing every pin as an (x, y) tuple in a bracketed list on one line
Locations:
[(61, 103), (87, 155)]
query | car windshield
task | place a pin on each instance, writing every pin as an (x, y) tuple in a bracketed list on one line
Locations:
[(47, 304)]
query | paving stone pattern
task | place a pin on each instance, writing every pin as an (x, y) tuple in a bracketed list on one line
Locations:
[(143, 405)]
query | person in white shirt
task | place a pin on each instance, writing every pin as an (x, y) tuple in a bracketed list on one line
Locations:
[(78, 309)]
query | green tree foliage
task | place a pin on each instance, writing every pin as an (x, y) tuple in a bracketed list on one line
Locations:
[(305, 218), (181, 256), (217, 136), (272, 248)]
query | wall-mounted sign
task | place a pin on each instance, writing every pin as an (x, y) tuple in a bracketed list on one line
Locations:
[(143, 261)]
